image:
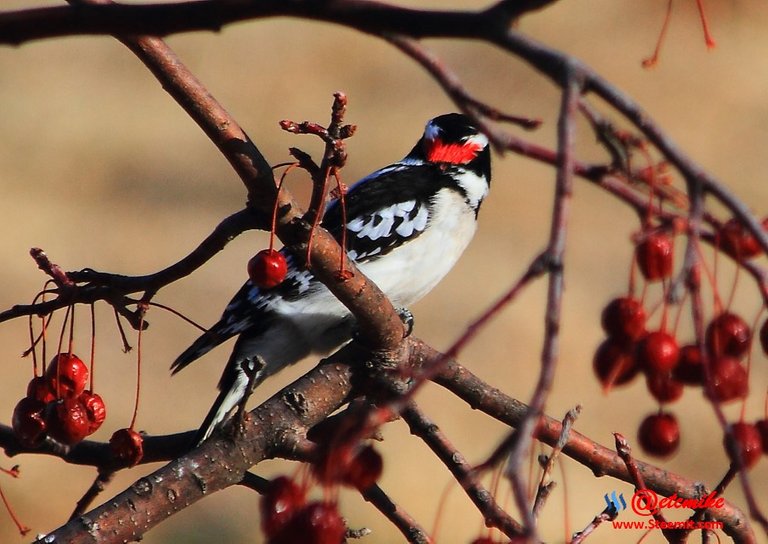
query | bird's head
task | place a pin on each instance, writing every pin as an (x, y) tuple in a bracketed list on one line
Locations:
[(451, 139)]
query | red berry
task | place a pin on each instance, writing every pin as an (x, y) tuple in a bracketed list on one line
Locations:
[(279, 504), (748, 442), (624, 319), (737, 241), (67, 375), (358, 467), (67, 421), (28, 422), (267, 268), (690, 367), (316, 523), (729, 379), (659, 434), (39, 388), (364, 469), (127, 447), (663, 386), (762, 427), (658, 352), (654, 256), (95, 410), (728, 334), (614, 364), (764, 337)]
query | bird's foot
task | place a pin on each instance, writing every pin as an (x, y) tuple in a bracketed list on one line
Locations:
[(406, 316)]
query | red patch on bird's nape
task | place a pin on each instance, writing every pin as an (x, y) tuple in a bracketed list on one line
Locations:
[(438, 151)]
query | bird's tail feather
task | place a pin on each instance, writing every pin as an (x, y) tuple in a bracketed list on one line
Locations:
[(199, 347), (235, 386)]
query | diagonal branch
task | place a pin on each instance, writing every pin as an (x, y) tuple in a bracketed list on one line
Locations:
[(494, 516)]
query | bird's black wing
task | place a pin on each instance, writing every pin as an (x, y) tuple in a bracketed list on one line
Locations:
[(385, 210)]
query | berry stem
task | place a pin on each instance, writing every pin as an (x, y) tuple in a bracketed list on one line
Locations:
[(123, 337), (138, 372), (708, 39), (71, 339), (765, 404), (441, 506), (23, 529), (317, 214), (58, 351), (711, 276), (653, 59), (735, 283), (679, 311), (291, 166), (343, 204), (178, 314), (93, 342)]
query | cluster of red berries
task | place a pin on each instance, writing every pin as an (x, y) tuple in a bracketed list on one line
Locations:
[(630, 348), (358, 468), (287, 516), (58, 405)]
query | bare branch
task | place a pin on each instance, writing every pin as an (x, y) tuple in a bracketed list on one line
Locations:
[(421, 426)]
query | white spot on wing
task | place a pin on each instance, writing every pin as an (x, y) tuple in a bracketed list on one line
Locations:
[(409, 225)]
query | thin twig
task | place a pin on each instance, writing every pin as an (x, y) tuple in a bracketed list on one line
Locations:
[(103, 478), (494, 516), (406, 524), (543, 489)]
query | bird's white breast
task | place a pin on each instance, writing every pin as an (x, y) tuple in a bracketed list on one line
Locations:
[(413, 269)]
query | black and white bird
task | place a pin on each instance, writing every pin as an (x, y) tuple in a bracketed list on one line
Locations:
[(407, 225)]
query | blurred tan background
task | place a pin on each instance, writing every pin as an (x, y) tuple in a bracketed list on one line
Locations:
[(101, 168)]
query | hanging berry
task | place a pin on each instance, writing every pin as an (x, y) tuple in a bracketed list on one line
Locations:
[(659, 434), (729, 379), (127, 447), (67, 374), (663, 386), (690, 367), (762, 428), (658, 352), (267, 269), (315, 523), (282, 500), (66, 421), (39, 388), (364, 469), (614, 364), (95, 410), (28, 422), (764, 337), (728, 334), (654, 256), (624, 319), (737, 241), (746, 442)]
